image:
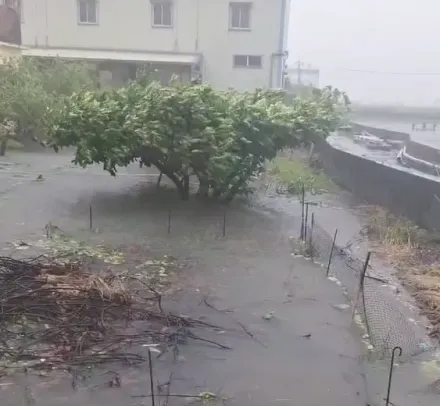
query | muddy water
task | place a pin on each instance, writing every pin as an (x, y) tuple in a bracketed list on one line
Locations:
[(307, 354)]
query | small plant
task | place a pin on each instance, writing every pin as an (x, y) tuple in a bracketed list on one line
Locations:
[(294, 174)]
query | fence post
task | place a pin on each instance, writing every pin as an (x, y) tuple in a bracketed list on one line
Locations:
[(150, 365), (306, 222), (331, 253), (311, 235), (301, 236), (224, 222), (361, 284), (390, 377)]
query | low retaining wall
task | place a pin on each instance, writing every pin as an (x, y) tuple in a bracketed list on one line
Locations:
[(419, 164), (412, 196), (422, 151), (414, 149), (381, 132)]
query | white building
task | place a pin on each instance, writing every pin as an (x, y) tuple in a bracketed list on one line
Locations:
[(238, 44)]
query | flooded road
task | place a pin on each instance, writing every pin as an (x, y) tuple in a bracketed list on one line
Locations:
[(307, 353)]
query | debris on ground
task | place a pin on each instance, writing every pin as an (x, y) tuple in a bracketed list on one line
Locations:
[(64, 314), (20, 245), (269, 316), (343, 306), (62, 246)]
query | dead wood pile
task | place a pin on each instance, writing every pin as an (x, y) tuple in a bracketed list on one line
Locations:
[(65, 314)]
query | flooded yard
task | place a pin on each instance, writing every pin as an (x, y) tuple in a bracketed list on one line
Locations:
[(290, 340)]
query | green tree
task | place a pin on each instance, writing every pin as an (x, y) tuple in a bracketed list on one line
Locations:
[(32, 90), (222, 138)]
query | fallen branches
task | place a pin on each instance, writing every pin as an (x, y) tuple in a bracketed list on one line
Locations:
[(64, 314)]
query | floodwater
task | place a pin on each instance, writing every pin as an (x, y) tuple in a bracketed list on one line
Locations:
[(309, 353)]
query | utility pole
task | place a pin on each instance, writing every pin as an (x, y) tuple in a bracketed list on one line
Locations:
[(298, 64)]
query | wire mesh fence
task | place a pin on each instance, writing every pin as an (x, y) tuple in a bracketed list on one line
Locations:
[(386, 325), (321, 247)]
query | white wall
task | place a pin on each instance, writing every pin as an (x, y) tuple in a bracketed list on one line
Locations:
[(200, 26)]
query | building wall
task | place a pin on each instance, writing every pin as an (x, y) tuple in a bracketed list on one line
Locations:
[(402, 192), (199, 26)]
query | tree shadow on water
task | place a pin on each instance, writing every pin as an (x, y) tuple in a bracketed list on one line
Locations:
[(159, 208)]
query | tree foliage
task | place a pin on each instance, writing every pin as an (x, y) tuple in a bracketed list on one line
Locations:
[(32, 90), (222, 138)]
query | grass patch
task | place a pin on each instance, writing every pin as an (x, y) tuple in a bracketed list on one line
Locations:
[(293, 173), (391, 230)]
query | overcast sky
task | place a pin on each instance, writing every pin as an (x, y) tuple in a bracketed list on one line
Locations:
[(400, 36)]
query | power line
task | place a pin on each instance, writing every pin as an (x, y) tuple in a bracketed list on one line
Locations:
[(299, 67), (388, 72)]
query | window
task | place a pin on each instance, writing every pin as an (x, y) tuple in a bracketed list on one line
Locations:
[(240, 16), (162, 12), (248, 61), (87, 11)]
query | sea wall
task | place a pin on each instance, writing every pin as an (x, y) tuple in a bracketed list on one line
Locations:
[(422, 151), (404, 193), (413, 149), (381, 132)]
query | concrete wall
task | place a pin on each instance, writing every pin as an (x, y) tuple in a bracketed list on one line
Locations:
[(413, 148), (402, 192), (199, 26), (381, 132), (423, 151)]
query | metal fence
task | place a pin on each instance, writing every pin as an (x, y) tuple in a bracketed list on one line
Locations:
[(372, 299)]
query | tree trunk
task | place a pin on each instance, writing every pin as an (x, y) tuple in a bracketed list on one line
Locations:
[(3, 145), (158, 180), (235, 189), (222, 188), (185, 190), (182, 186), (203, 187)]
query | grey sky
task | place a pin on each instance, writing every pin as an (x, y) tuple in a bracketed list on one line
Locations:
[(375, 35)]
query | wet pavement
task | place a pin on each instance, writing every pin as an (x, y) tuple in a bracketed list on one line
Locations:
[(309, 353)]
